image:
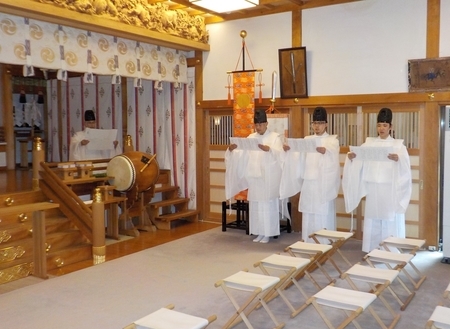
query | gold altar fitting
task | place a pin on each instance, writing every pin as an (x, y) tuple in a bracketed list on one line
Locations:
[(272, 108), (99, 255)]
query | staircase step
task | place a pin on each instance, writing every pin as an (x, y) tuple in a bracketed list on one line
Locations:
[(16, 250), (169, 202), (166, 188), (162, 222), (55, 260), (19, 231), (67, 256)]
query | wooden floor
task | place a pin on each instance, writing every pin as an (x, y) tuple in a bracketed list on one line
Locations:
[(21, 180)]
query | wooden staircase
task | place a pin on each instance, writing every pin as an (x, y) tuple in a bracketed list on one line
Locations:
[(65, 244), (171, 207)]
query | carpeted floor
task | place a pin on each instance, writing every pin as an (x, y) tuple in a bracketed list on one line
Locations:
[(183, 272)]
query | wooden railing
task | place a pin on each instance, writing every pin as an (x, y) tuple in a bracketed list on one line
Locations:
[(70, 203)]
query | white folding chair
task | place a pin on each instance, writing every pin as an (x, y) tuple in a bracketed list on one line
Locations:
[(290, 267), (440, 319), (378, 280), (351, 302), (447, 292), (258, 286), (393, 261), (404, 245), (337, 240), (167, 318), (318, 253)]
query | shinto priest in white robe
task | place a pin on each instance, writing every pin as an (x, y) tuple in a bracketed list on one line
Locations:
[(387, 187), (82, 152), (317, 177), (260, 173)]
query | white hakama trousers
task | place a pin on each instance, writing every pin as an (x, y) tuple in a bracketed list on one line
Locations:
[(376, 230), (315, 222), (380, 219), (264, 218)]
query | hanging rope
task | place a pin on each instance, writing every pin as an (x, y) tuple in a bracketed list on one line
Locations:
[(240, 54), (260, 84)]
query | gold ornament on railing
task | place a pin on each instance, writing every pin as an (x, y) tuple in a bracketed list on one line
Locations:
[(59, 262), (128, 140), (17, 272), (22, 217), (9, 201), (4, 236), (97, 197), (38, 144), (11, 253)]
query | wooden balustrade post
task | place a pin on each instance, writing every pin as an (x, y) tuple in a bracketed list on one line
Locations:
[(38, 156), (98, 228), (39, 250)]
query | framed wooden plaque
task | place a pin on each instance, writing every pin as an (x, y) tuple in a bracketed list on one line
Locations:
[(292, 63), (430, 74)]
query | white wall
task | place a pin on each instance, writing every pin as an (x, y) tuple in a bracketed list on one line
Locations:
[(353, 48), (265, 35), (363, 47)]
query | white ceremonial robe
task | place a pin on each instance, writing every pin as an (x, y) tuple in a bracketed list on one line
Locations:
[(260, 173), (387, 187), (317, 177), (80, 152)]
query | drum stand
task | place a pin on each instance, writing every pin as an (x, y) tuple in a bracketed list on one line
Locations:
[(137, 210)]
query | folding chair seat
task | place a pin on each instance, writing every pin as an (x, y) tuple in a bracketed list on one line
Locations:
[(393, 261), (378, 280), (318, 253), (441, 314), (440, 319), (337, 240), (404, 245), (290, 267), (447, 292), (167, 318), (351, 302), (258, 286)]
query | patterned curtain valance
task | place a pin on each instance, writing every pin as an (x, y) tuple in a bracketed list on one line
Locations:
[(39, 44)]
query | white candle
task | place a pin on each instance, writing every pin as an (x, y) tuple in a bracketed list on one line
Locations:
[(274, 83)]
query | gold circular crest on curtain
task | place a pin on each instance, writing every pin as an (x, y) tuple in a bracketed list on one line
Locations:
[(243, 100)]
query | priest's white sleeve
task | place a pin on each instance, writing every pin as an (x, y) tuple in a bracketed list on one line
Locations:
[(352, 184)]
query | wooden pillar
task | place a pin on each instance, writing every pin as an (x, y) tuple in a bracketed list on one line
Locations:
[(98, 228), (202, 152), (433, 27), (23, 152), (8, 120), (38, 157), (297, 28), (124, 105)]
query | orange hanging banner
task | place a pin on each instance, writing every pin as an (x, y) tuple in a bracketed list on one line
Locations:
[(244, 105), (243, 109)]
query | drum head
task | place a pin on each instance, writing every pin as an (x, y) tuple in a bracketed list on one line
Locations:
[(122, 171)]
